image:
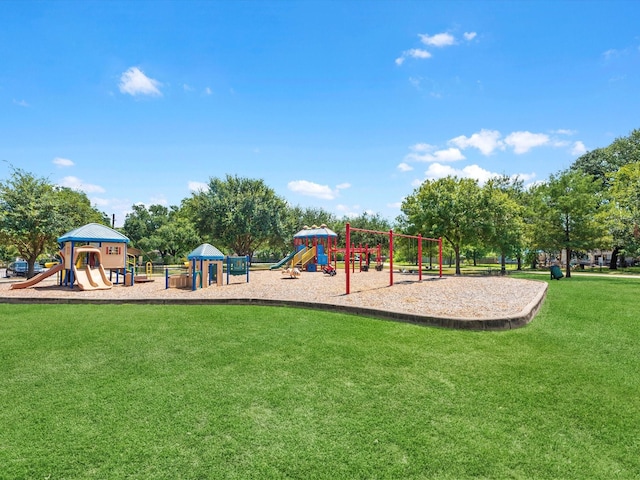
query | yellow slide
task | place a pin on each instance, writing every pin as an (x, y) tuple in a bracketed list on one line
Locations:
[(297, 257), (308, 256), (38, 278)]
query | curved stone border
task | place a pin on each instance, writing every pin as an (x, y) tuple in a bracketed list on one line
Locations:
[(497, 323)]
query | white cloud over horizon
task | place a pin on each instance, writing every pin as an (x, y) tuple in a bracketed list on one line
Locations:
[(195, 186), (62, 162), (578, 149), (134, 82), (76, 184), (447, 155), (487, 141), (437, 171), (522, 142), (311, 189)]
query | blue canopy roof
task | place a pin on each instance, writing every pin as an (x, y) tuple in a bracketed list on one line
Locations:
[(93, 232), (318, 232), (206, 252)]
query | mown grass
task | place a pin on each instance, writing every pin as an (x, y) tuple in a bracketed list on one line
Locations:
[(250, 392)]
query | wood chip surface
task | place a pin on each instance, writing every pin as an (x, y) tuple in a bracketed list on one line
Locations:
[(447, 297)]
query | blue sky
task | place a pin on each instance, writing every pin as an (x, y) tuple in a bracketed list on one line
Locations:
[(344, 105)]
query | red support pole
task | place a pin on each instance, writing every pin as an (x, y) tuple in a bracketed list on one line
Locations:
[(346, 257), (390, 258), (419, 257), (440, 255)]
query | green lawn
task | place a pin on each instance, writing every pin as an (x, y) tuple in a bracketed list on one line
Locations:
[(254, 392)]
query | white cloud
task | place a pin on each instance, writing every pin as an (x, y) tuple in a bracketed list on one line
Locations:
[(437, 40), (611, 53), (413, 53), (417, 53), (522, 142), (159, 200), (404, 167), (437, 170), (195, 186), (348, 211), (468, 36), (304, 187), (487, 141), (394, 205), (422, 147), (342, 186), (187, 88), (63, 162), (564, 131), (578, 149), (76, 184), (448, 155), (21, 103), (208, 91), (135, 82)]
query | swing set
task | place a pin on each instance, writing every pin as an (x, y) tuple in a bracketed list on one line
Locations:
[(351, 250)]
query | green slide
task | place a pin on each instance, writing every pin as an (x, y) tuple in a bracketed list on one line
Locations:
[(282, 262)]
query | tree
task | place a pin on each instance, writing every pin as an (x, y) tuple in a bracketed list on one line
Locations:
[(34, 213), (602, 163), (567, 206), (242, 213), (449, 207), (623, 217), (504, 227), (366, 221), (169, 231)]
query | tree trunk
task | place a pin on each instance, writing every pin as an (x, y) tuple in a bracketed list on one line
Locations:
[(456, 249), (613, 264), (568, 273), (519, 257), (503, 263)]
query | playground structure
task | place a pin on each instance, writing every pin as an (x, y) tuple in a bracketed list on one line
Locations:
[(86, 253), (205, 268), (312, 247), (351, 250)]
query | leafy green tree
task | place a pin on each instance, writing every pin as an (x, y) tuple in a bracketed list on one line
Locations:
[(602, 163), (504, 228), (365, 221), (623, 214), (449, 207), (295, 219), (167, 231), (567, 207), (243, 214), (34, 213)]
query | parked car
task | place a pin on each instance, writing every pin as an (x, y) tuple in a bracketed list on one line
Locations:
[(20, 268)]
